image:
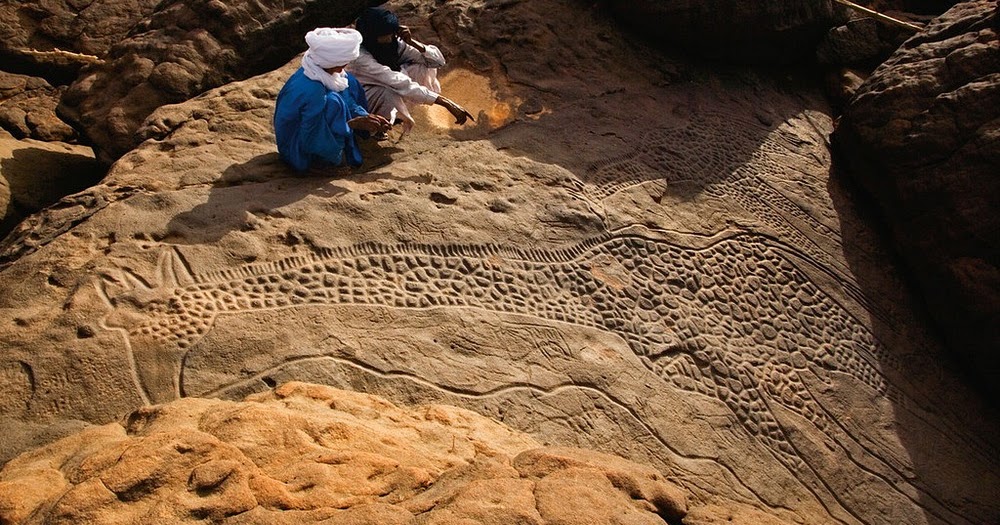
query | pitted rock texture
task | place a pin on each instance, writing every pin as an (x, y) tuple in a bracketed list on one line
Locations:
[(185, 48), (921, 137), (627, 252), (88, 28), (83, 27), (312, 454), (747, 31)]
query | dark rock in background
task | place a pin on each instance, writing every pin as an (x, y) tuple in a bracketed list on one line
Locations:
[(755, 32), (929, 6), (87, 28), (922, 135), (854, 42), (185, 48), (919, 7), (43, 46), (841, 84), (28, 109)]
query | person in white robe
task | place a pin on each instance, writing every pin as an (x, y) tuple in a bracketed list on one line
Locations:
[(396, 70)]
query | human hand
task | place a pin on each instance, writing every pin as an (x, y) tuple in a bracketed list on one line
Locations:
[(370, 123), (384, 123), (460, 114), (404, 34)]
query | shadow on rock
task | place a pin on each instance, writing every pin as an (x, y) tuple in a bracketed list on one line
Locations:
[(945, 427), (259, 188), (38, 178)]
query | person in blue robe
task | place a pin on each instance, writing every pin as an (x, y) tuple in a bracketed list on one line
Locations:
[(321, 107)]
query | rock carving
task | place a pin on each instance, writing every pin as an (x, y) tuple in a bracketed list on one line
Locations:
[(680, 309), (685, 309), (677, 155)]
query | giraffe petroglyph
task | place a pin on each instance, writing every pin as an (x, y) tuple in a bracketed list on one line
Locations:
[(730, 317)]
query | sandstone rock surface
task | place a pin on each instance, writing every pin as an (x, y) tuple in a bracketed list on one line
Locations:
[(31, 30), (28, 109), (921, 137), (185, 48), (628, 252), (313, 454), (43, 46)]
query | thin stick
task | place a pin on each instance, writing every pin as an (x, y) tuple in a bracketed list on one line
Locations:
[(77, 57), (885, 18)]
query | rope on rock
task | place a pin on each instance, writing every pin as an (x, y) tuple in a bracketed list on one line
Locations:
[(879, 16)]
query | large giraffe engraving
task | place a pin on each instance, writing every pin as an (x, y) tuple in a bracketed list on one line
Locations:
[(671, 304), (730, 317)]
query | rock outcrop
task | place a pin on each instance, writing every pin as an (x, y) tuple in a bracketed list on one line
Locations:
[(756, 32), (921, 137), (185, 48), (32, 31), (43, 46), (856, 42), (628, 252), (311, 454), (28, 109), (35, 175)]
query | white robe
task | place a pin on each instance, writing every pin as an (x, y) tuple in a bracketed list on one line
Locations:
[(389, 90)]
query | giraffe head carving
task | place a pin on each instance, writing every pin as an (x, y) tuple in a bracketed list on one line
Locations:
[(134, 299)]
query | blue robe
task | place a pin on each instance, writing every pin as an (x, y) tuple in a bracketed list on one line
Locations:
[(310, 122)]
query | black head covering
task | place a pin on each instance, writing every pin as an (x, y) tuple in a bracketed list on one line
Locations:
[(373, 23)]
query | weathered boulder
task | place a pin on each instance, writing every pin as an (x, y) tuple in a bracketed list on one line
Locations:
[(53, 40), (312, 454), (31, 32), (34, 175), (745, 31), (863, 40), (82, 27), (856, 41), (28, 109), (841, 84), (185, 48), (921, 136)]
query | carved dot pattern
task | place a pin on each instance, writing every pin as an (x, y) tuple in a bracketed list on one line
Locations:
[(721, 154), (735, 321), (181, 320)]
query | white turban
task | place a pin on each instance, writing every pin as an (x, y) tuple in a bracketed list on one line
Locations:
[(330, 47), (333, 46)]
